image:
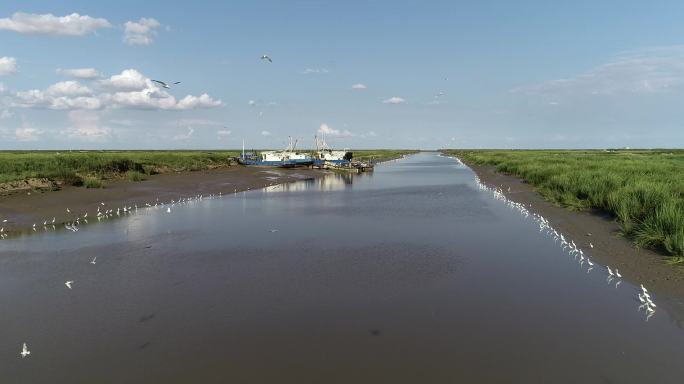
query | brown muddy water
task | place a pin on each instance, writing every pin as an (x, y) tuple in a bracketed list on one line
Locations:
[(412, 274)]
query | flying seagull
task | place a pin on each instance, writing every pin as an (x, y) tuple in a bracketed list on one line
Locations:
[(265, 57), (93, 261), (24, 351), (165, 85), (68, 283)]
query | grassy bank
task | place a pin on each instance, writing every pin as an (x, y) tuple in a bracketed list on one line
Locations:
[(643, 190), (91, 167)]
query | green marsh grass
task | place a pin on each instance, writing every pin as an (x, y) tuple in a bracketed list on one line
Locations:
[(71, 167), (642, 189)]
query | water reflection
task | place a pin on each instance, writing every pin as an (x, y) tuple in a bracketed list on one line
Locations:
[(333, 181)]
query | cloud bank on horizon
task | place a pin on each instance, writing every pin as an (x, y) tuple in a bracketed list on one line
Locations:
[(76, 79)]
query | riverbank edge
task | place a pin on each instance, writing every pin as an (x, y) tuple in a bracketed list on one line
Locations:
[(639, 266), (23, 213), (23, 210)]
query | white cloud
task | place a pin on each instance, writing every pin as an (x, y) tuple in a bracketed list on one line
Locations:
[(8, 65), (314, 71), (359, 86), (48, 24), (6, 114), (394, 100), (223, 132), (251, 103), (372, 134), (51, 99), (185, 136), (2, 88), (265, 133), (127, 80), (141, 32), (27, 134), (638, 72), (86, 126), (129, 89), (80, 73), (324, 129), (68, 88), (192, 102)]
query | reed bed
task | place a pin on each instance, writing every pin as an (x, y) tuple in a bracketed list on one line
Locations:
[(91, 167)]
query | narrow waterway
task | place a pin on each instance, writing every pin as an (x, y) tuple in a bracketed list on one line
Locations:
[(411, 274)]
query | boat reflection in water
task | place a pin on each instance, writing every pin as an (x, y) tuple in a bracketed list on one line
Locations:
[(330, 182)]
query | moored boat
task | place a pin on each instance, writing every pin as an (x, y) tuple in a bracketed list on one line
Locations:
[(288, 158)]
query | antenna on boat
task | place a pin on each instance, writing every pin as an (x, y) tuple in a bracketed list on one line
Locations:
[(243, 148)]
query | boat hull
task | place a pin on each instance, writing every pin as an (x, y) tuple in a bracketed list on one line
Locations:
[(278, 164)]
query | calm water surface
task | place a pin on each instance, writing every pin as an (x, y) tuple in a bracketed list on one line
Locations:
[(409, 275)]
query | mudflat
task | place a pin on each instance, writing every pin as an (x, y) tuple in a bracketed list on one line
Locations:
[(22, 210)]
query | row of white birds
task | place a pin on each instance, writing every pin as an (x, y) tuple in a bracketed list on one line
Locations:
[(569, 246), (76, 221)]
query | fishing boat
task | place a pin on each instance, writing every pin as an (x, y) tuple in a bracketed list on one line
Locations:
[(287, 158), (326, 156)]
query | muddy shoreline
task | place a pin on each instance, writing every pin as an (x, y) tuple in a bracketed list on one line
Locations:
[(22, 210), (640, 266)]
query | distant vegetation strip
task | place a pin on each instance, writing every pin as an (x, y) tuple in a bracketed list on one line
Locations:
[(377, 155), (642, 189), (79, 167), (91, 168)]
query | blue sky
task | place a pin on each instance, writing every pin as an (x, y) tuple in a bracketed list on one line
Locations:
[(368, 74)]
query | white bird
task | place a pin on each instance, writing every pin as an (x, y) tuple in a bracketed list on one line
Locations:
[(589, 262), (24, 351), (641, 298), (4, 221), (166, 85), (168, 209), (618, 273), (273, 230), (53, 220), (609, 271), (93, 260), (591, 245), (265, 57), (68, 211), (68, 283)]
